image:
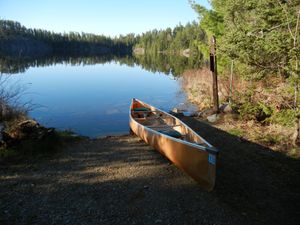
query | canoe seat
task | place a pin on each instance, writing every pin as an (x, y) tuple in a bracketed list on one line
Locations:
[(141, 109), (172, 133)]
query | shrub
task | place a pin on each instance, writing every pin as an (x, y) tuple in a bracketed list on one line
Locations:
[(255, 111), (285, 117)]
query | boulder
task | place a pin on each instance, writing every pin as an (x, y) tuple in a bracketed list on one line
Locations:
[(25, 130), (205, 113), (177, 112), (213, 118), (28, 126), (226, 108)]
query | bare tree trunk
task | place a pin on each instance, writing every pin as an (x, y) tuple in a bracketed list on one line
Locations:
[(296, 136), (296, 95), (213, 68), (231, 82)]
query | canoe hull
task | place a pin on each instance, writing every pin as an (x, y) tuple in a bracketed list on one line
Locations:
[(196, 162)]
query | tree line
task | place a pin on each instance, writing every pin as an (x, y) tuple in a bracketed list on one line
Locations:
[(17, 39), (172, 41)]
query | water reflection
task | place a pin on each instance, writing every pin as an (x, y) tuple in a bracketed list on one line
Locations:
[(12, 65), (91, 94), (167, 64)]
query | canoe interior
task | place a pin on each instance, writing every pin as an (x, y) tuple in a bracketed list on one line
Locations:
[(160, 121)]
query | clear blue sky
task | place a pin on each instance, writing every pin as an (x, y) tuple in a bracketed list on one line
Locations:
[(108, 17)]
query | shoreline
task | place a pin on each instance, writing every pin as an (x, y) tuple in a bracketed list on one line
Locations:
[(226, 123), (122, 180)]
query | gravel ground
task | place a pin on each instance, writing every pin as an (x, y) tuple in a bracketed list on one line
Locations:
[(121, 180)]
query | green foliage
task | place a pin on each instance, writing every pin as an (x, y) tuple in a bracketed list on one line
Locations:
[(258, 33), (284, 117), (250, 109), (262, 37), (266, 110), (211, 21), (261, 112), (255, 111), (294, 153), (172, 41), (271, 139)]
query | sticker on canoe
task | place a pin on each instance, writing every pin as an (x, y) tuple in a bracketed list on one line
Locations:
[(212, 159)]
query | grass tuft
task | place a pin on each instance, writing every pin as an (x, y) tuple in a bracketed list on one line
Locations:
[(236, 132)]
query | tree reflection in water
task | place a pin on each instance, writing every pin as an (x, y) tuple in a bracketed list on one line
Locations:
[(167, 64)]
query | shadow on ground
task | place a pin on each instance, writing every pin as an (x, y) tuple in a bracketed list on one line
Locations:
[(253, 179), (121, 180)]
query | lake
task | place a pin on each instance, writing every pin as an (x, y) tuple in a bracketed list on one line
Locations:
[(93, 99)]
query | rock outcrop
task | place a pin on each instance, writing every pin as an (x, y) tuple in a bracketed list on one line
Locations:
[(25, 130)]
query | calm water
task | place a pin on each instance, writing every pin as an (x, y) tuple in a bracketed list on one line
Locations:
[(93, 100)]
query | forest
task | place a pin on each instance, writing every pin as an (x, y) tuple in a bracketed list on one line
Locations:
[(17, 40), (172, 41), (258, 42)]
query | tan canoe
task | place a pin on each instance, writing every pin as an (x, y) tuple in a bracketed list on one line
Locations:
[(175, 140)]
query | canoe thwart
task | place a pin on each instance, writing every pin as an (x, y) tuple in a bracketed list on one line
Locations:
[(163, 126), (172, 133)]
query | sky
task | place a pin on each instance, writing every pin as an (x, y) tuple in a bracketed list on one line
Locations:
[(108, 17)]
